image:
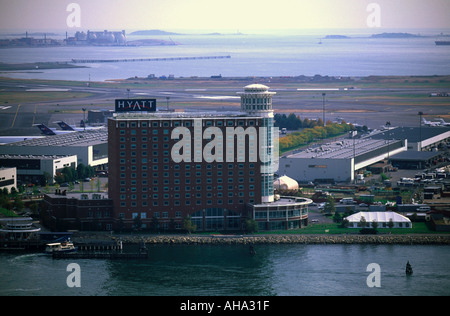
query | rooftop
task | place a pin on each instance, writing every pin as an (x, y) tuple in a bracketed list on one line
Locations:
[(344, 149), (181, 115), (412, 134), (88, 137)]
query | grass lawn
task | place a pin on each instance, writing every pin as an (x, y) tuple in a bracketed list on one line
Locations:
[(334, 228), (7, 213)]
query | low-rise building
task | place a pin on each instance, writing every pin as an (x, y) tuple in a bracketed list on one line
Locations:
[(8, 178), (77, 211), (382, 218), (32, 168)]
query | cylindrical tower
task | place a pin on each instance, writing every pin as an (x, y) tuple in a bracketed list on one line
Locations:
[(257, 100)]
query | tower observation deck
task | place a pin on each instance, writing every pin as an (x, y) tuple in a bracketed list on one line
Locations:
[(257, 100)]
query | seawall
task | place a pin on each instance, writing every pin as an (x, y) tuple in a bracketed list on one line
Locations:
[(287, 239)]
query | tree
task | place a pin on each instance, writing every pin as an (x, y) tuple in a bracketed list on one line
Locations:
[(137, 222), (250, 225), (374, 224), (345, 223), (362, 222), (330, 207), (390, 224), (188, 225)]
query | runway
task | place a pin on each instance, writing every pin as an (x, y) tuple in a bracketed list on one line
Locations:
[(371, 105)]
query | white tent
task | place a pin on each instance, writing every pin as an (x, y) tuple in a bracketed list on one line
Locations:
[(285, 183), (382, 218)]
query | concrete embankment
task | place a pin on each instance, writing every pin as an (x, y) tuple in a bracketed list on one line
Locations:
[(288, 239)]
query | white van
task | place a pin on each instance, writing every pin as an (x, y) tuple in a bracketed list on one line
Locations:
[(347, 201)]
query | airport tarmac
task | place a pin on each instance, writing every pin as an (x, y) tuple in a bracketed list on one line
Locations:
[(27, 102)]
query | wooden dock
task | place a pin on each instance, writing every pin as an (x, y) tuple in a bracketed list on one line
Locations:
[(100, 255)]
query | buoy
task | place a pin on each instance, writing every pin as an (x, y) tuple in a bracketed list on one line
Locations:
[(409, 270)]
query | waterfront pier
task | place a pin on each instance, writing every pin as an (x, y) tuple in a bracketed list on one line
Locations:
[(94, 61)]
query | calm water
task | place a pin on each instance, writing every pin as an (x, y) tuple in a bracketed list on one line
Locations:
[(282, 270), (251, 55)]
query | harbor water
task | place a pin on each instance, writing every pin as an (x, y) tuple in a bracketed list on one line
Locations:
[(267, 55), (213, 270)]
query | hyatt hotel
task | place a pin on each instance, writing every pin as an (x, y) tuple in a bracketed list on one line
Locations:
[(214, 167)]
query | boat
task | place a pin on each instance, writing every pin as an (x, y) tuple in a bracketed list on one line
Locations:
[(409, 270), (66, 246), (440, 43)]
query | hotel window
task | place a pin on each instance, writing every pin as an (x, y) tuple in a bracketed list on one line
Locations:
[(156, 214)]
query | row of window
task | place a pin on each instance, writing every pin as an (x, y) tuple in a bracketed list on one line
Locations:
[(187, 189), (186, 123), (281, 214), (177, 196), (133, 203), (220, 166)]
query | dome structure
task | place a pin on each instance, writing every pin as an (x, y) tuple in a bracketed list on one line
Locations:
[(285, 183), (256, 87)]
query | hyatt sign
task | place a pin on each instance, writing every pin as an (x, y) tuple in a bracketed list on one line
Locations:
[(132, 105)]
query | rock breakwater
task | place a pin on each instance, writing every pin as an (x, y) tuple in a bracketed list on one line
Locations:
[(287, 239)]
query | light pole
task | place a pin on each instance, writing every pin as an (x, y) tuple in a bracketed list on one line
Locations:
[(84, 118), (420, 130), (388, 124), (323, 106)]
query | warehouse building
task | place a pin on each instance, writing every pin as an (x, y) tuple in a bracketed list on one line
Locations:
[(338, 161), (90, 147), (423, 138)]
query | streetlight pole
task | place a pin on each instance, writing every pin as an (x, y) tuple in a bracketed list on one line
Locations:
[(84, 118), (420, 130), (323, 106), (388, 124)]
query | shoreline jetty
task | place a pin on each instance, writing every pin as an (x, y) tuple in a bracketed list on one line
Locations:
[(284, 239)]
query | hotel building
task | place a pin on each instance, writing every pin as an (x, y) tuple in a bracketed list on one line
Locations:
[(213, 167)]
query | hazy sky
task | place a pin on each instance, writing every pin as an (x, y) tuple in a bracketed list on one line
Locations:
[(221, 14)]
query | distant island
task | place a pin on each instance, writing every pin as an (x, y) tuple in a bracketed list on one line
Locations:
[(395, 35), (336, 37)]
